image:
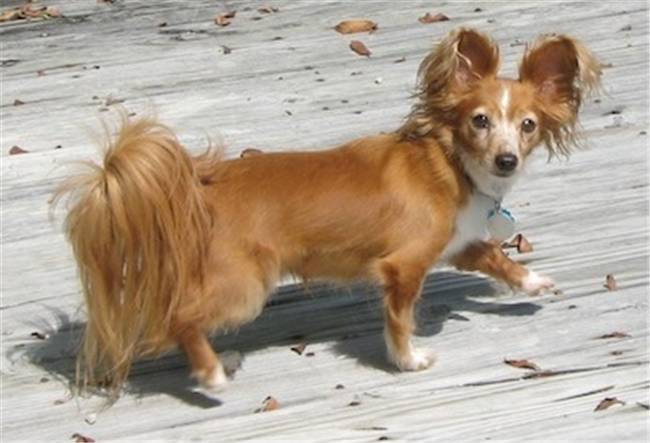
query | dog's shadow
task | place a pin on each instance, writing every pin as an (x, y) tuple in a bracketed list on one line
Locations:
[(351, 317)]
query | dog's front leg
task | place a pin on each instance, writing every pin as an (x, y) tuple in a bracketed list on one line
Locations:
[(488, 258), (402, 282)]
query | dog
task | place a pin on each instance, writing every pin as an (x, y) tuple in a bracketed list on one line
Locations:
[(172, 247)]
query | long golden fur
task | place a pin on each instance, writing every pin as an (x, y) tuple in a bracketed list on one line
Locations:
[(171, 247)]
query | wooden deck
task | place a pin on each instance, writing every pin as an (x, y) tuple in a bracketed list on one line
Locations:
[(287, 80)]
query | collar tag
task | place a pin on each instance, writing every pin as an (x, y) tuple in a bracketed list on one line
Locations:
[(501, 223)]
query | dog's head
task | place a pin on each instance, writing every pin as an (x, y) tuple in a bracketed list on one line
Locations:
[(491, 123)]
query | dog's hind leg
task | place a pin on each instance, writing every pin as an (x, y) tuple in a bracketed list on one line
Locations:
[(205, 364)]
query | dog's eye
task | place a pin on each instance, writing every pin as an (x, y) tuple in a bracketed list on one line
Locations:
[(528, 125), (481, 121)]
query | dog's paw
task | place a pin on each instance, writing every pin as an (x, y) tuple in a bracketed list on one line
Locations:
[(213, 380), (415, 360), (535, 284)]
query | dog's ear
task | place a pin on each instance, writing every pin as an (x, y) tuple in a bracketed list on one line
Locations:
[(562, 69), (564, 72), (463, 57), (476, 56)]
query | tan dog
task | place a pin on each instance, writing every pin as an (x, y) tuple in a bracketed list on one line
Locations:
[(171, 248)]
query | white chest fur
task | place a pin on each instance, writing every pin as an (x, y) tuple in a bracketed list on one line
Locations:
[(471, 225)]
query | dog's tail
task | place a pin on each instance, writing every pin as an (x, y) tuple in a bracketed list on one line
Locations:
[(138, 226)]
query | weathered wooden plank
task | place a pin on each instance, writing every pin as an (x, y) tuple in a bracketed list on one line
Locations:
[(586, 218)]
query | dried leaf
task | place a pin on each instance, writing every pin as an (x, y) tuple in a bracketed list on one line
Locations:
[(15, 150), (299, 348), (78, 438), (429, 18), (523, 246), (359, 48), (18, 102), (250, 152), (610, 283), (615, 334), (354, 26), (224, 19), (10, 14), (267, 9), (269, 404), (339, 386), (309, 354), (32, 11), (608, 402), (520, 242), (524, 364), (354, 403)]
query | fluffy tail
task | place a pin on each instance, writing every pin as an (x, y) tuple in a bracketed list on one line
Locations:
[(138, 226)]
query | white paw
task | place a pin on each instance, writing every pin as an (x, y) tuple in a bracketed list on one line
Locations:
[(214, 380), (414, 360), (535, 283)]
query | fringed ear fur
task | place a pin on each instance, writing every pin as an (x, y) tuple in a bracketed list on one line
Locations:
[(564, 72), (463, 57)]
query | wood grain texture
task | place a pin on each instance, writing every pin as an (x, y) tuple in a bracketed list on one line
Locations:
[(288, 80)]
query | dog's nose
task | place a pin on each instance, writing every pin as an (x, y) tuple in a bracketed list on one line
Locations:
[(506, 162)]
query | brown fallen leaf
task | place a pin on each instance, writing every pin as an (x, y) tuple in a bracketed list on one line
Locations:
[(250, 152), (524, 364), (430, 18), (267, 9), (610, 283), (15, 150), (18, 102), (269, 404), (354, 26), (30, 12), (78, 438), (10, 14), (520, 242), (299, 348), (359, 48), (524, 246), (608, 402), (224, 19), (615, 334)]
